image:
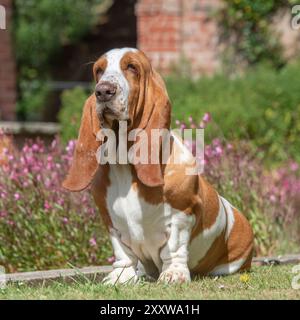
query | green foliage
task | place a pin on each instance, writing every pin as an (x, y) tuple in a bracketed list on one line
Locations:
[(70, 113), (42, 240), (41, 29), (262, 106), (246, 24), (34, 93)]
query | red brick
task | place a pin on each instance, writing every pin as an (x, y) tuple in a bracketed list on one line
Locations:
[(7, 70), (169, 29)]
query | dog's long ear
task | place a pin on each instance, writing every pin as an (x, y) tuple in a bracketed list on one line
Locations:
[(84, 164), (154, 114)]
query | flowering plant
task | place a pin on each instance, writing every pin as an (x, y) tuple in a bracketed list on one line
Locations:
[(41, 225)]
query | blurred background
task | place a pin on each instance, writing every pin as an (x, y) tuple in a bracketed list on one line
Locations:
[(231, 66)]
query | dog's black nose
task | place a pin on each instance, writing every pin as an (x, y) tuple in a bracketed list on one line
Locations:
[(105, 91)]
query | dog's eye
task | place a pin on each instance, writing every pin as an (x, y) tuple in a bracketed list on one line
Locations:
[(132, 68), (99, 72)]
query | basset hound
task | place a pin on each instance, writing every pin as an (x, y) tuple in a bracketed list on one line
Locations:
[(162, 222)]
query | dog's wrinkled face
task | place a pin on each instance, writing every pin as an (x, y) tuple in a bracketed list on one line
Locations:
[(118, 74), (127, 89)]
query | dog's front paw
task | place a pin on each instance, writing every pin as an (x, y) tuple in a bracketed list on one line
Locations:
[(121, 276), (175, 274)]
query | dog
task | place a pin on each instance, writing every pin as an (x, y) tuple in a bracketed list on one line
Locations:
[(163, 223)]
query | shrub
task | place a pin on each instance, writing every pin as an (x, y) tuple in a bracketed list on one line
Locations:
[(247, 32), (261, 106), (70, 113), (41, 29), (43, 226)]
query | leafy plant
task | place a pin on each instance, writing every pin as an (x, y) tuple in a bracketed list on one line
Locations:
[(260, 106), (245, 26), (41, 29), (70, 113)]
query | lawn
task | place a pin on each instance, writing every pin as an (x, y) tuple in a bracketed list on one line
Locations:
[(268, 282)]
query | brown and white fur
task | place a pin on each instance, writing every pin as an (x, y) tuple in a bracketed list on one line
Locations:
[(161, 221)]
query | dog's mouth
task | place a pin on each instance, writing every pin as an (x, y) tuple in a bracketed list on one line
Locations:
[(108, 116), (109, 113)]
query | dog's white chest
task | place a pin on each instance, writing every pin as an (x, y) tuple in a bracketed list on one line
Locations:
[(142, 226)]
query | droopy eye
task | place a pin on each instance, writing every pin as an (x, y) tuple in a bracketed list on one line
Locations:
[(99, 72), (132, 68)]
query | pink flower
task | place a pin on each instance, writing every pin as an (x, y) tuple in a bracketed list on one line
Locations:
[(65, 220), (3, 214), (207, 117), (35, 147), (70, 146), (93, 242), (25, 184), (229, 146), (17, 196), (47, 205), (294, 166), (111, 259), (219, 150)]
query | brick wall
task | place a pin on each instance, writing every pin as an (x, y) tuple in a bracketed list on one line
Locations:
[(179, 30), (7, 68)]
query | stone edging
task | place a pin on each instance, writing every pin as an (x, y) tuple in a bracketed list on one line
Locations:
[(287, 259), (99, 272), (59, 274), (33, 128)]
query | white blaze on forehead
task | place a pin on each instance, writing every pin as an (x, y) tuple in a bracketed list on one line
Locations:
[(117, 54), (114, 74)]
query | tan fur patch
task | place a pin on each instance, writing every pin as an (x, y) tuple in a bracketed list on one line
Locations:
[(238, 245), (99, 191)]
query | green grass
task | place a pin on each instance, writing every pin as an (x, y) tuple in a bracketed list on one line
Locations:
[(272, 282)]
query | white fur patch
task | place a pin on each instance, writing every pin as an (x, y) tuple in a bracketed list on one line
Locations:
[(155, 233), (141, 225), (114, 74), (230, 216), (203, 241), (227, 268)]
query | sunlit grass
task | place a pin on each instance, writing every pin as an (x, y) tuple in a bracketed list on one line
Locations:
[(272, 282)]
